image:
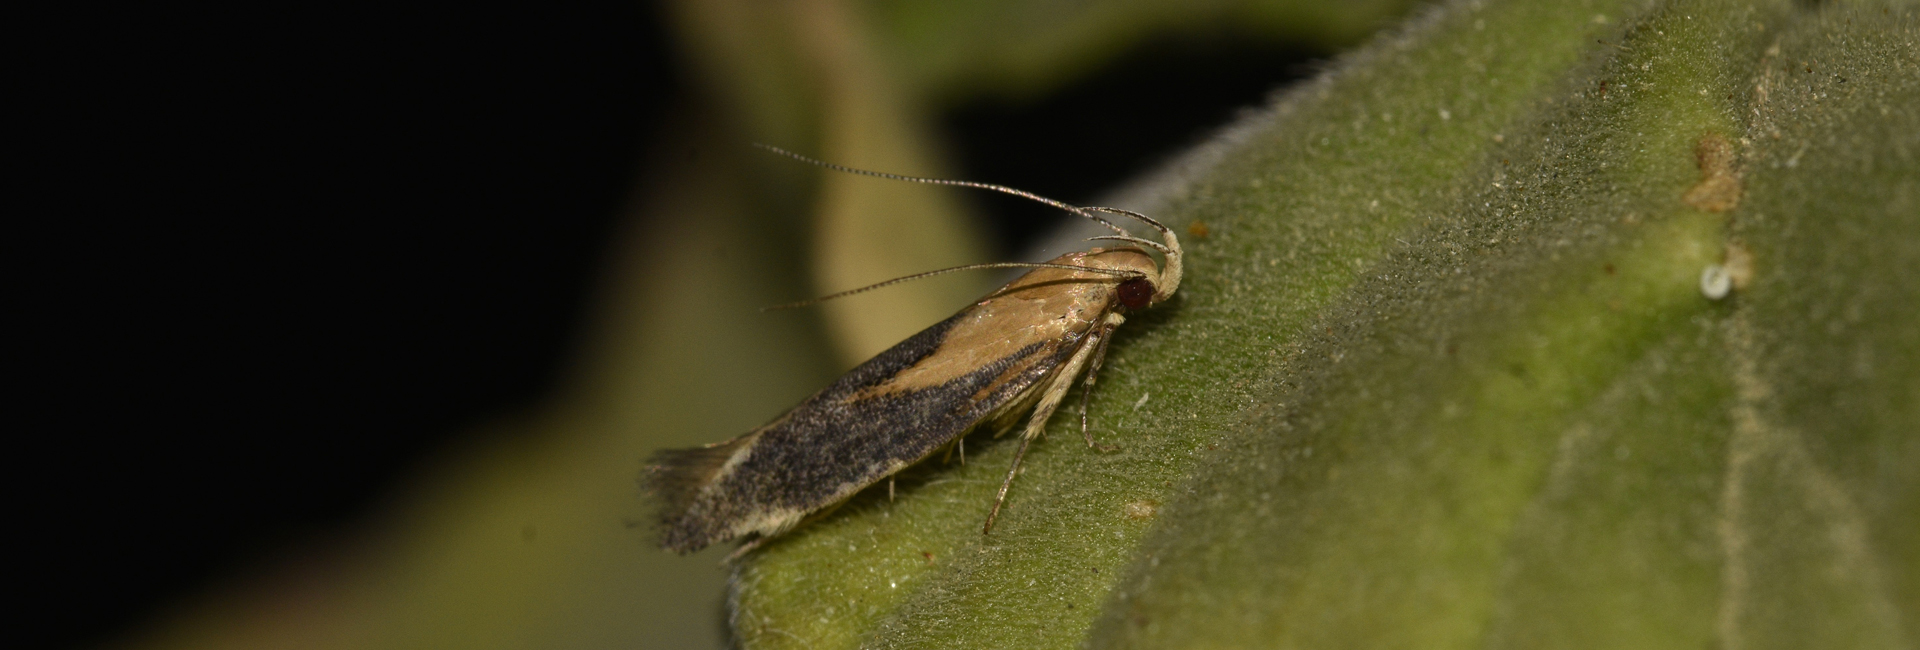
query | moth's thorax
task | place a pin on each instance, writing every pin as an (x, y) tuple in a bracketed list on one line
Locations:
[(1045, 306)]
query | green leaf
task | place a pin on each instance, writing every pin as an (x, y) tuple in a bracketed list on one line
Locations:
[(1444, 373)]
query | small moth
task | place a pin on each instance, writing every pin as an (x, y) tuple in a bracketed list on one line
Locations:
[(1017, 351)]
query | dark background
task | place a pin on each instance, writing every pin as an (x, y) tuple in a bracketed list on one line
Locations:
[(274, 257)]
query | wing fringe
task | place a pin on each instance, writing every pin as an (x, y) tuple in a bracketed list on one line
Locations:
[(675, 478)]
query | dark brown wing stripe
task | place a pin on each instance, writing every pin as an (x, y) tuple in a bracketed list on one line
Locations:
[(832, 440)]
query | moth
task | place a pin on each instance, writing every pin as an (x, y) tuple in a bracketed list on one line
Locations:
[(1015, 352)]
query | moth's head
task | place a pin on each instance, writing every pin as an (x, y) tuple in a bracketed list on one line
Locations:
[(1155, 284)]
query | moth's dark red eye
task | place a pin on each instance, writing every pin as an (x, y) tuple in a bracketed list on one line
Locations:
[(1136, 293)]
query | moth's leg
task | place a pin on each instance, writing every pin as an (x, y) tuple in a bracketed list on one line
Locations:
[(1024, 441), (1093, 370), (1037, 424), (1087, 390), (959, 443)]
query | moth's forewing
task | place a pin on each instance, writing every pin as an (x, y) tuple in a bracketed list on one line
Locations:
[(890, 412)]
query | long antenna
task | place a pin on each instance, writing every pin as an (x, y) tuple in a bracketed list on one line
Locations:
[(969, 267), (1169, 277), (1084, 212)]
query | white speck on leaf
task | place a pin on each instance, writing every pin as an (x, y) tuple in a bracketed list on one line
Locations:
[(1715, 282)]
